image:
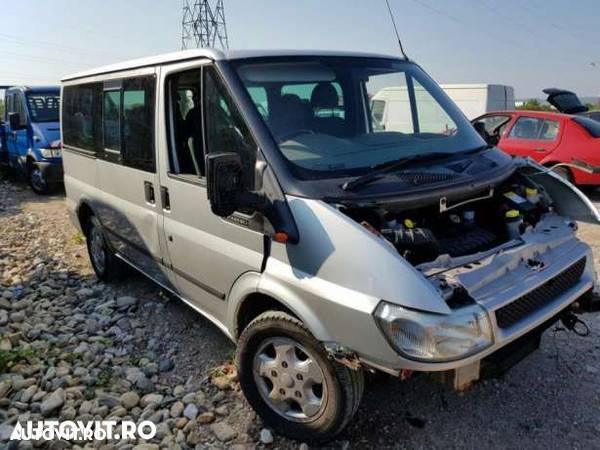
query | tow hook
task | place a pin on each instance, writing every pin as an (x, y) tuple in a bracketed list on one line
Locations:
[(343, 355), (575, 324)]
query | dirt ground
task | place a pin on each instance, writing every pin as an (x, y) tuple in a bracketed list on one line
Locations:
[(549, 400)]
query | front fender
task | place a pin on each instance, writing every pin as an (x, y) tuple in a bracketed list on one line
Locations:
[(262, 283), (568, 200)]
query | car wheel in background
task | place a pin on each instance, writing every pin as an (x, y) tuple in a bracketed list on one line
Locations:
[(104, 262), (291, 383), (37, 181)]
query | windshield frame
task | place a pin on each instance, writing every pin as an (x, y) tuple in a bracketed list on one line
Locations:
[(44, 93), (284, 170)]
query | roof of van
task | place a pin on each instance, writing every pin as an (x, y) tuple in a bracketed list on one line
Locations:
[(213, 54)]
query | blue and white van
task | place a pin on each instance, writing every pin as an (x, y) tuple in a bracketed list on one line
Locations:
[(30, 135)]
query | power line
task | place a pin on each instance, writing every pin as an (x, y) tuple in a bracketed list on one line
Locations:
[(502, 38), (35, 58)]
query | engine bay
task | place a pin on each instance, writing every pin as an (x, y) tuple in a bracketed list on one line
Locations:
[(469, 226)]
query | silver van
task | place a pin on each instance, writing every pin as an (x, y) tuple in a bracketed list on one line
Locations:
[(264, 190)]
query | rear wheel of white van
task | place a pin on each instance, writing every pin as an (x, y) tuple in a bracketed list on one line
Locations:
[(106, 265), (291, 383)]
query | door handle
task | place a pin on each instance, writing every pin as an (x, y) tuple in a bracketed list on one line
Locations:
[(540, 149), (149, 193), (165, 200)]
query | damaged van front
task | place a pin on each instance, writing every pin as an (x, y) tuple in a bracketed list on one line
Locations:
[(398, 239)]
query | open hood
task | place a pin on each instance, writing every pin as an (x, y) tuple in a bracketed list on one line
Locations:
[(568, 200), (565, 102)]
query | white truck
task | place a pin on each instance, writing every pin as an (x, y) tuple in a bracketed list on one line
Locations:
[(391, 111), (477, 99)]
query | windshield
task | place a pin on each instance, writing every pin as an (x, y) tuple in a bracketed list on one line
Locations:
[(43, 106), (333, 115)]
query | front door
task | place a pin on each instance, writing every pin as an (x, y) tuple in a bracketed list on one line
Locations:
[(17, 140), (207, 253), (533, 137)]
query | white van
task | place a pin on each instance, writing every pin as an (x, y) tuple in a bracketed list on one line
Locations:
[(262, 190), (475, 100)]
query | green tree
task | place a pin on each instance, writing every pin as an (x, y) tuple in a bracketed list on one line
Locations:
[(533, 104)]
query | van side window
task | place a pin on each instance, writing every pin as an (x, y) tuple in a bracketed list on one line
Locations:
[(82, 116), (186, 155), (225, 128), (138, 123), (111, 120)]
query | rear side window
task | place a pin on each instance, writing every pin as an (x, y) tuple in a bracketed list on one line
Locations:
[(82, 116), (532, 128), (138, 123), (112, 121), (116, 116), (591, 126), (549, 131)]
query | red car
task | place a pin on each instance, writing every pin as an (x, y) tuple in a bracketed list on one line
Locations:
[(548, 138)]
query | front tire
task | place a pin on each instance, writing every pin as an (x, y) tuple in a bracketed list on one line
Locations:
[(104, 262), (38, 181), (289, 381)]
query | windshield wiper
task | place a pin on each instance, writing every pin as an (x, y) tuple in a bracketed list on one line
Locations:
[(387, 167), (392, 166)]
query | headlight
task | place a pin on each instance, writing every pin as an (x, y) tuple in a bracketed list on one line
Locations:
[(435, 337), (50, 152)]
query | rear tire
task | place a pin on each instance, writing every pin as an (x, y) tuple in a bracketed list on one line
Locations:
[(37, 181), (291, 383), (104, 262)]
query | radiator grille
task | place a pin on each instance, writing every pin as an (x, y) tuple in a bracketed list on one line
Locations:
[(542, 295)]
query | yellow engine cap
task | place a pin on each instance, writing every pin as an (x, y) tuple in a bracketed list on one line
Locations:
[(409, 223), (512, 214), (531, 191)]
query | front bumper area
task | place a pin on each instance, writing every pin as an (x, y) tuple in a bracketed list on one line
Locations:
[(53, 171), (517, 295)]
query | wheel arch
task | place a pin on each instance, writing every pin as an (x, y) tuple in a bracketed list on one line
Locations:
[(251, 296), (29, 161), (83, 212)]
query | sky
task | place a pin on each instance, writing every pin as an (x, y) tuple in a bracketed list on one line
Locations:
[(529, 45)]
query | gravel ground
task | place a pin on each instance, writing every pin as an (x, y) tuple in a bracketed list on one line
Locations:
[(71, 347)]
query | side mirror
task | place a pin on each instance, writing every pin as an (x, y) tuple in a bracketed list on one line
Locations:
[(14, 119), (224, 182)]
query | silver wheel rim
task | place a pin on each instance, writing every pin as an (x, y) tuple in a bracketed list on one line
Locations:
[(97, 248), (289, 379), (37, 179)]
